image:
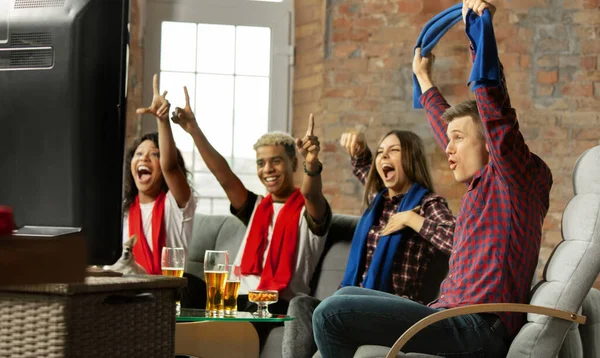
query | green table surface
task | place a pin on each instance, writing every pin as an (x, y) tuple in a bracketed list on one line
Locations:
[(197, 315)]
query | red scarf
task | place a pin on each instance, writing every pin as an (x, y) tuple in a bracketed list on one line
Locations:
[(149, 259), (280, 263)]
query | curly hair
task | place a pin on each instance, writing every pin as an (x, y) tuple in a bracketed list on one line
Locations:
[(131, 190), (278, 138)]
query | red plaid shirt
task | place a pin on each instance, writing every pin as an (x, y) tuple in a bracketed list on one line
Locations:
[(417, 250), (499, 223)]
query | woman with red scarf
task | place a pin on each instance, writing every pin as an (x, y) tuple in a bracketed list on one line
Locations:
[(159, 206)]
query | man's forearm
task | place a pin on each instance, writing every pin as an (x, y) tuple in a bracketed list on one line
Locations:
[(312, 190), (234, 188), (424, 82)]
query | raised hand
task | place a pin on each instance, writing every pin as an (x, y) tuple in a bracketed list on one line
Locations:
[(354, 142), (184, 116), (422, 65), (160, 106), (477, 6), (309, 146), (399, 221)]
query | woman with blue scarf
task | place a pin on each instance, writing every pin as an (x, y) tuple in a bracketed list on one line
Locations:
[(405, 229), (406, 226)]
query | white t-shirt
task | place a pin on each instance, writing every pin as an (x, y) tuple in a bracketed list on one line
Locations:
[(309, 250), (178, 222)]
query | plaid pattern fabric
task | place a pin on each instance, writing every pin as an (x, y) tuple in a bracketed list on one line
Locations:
[(499, 224), (416, 249)]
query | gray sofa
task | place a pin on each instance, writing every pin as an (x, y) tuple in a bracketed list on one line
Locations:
[(226, 233)]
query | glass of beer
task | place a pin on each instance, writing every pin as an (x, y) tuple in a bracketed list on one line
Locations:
[(172, 263), (215, 276), (232, 286)]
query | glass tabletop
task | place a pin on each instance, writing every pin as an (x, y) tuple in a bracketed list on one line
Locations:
[(196, 315)]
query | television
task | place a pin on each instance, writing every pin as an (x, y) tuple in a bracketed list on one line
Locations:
[(62, 117)]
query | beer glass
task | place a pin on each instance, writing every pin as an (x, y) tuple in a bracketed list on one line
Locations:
[(232, 286), (172, 263), (215, 276)]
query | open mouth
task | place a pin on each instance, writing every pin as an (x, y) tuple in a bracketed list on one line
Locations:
[(388, 171), (144, 173), (452, 164)]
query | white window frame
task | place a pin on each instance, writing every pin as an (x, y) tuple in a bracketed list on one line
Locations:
[(276, 15)]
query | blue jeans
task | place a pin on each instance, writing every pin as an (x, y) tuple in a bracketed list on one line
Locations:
[(356, 316)]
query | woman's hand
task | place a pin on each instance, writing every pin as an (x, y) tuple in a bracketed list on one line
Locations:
[(399, 221), (160, 106), (354, 142)]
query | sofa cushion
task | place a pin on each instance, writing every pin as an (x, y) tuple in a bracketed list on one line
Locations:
[(272, 347), (213, 232), (330, 271)]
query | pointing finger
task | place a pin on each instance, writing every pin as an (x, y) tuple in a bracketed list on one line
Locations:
[(155, 84), (187, 96), (311, 125)]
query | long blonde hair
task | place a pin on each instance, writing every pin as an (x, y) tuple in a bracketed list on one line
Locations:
[(414, 164)]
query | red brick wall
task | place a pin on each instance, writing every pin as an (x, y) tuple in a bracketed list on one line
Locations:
[(135, 75)]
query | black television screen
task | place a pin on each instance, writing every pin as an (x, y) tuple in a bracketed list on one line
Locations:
[(62, 116)]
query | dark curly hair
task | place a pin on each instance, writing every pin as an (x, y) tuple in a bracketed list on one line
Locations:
[(131, 191)]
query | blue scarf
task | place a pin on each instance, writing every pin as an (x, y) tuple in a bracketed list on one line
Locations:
[(481, 33), (429, 37), (379, 275), (486, 68)]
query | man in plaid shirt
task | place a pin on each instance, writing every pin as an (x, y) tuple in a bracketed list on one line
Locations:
[(496, 240)]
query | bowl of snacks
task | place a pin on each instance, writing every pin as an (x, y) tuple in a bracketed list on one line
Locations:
[(263, 298)]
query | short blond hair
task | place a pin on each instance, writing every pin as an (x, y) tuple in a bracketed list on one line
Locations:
[(278, 138)]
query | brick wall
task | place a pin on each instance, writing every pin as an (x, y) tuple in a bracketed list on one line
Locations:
[(550, 50), (353, 66), (135, 75)]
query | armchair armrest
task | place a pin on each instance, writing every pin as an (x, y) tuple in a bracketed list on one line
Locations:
[(481, 308)]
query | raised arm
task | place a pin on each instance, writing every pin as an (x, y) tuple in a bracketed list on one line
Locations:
[(312, 186), (507, 148), (356, 145), (434, 103), (173, 174), (234, 188)]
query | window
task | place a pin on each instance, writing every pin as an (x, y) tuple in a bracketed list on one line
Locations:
[(232, 72)]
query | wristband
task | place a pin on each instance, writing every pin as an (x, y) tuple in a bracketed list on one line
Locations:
[(314, 174)]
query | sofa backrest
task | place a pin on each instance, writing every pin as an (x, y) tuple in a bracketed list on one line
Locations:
[(571, 269), (219, 232), (213, 232)]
